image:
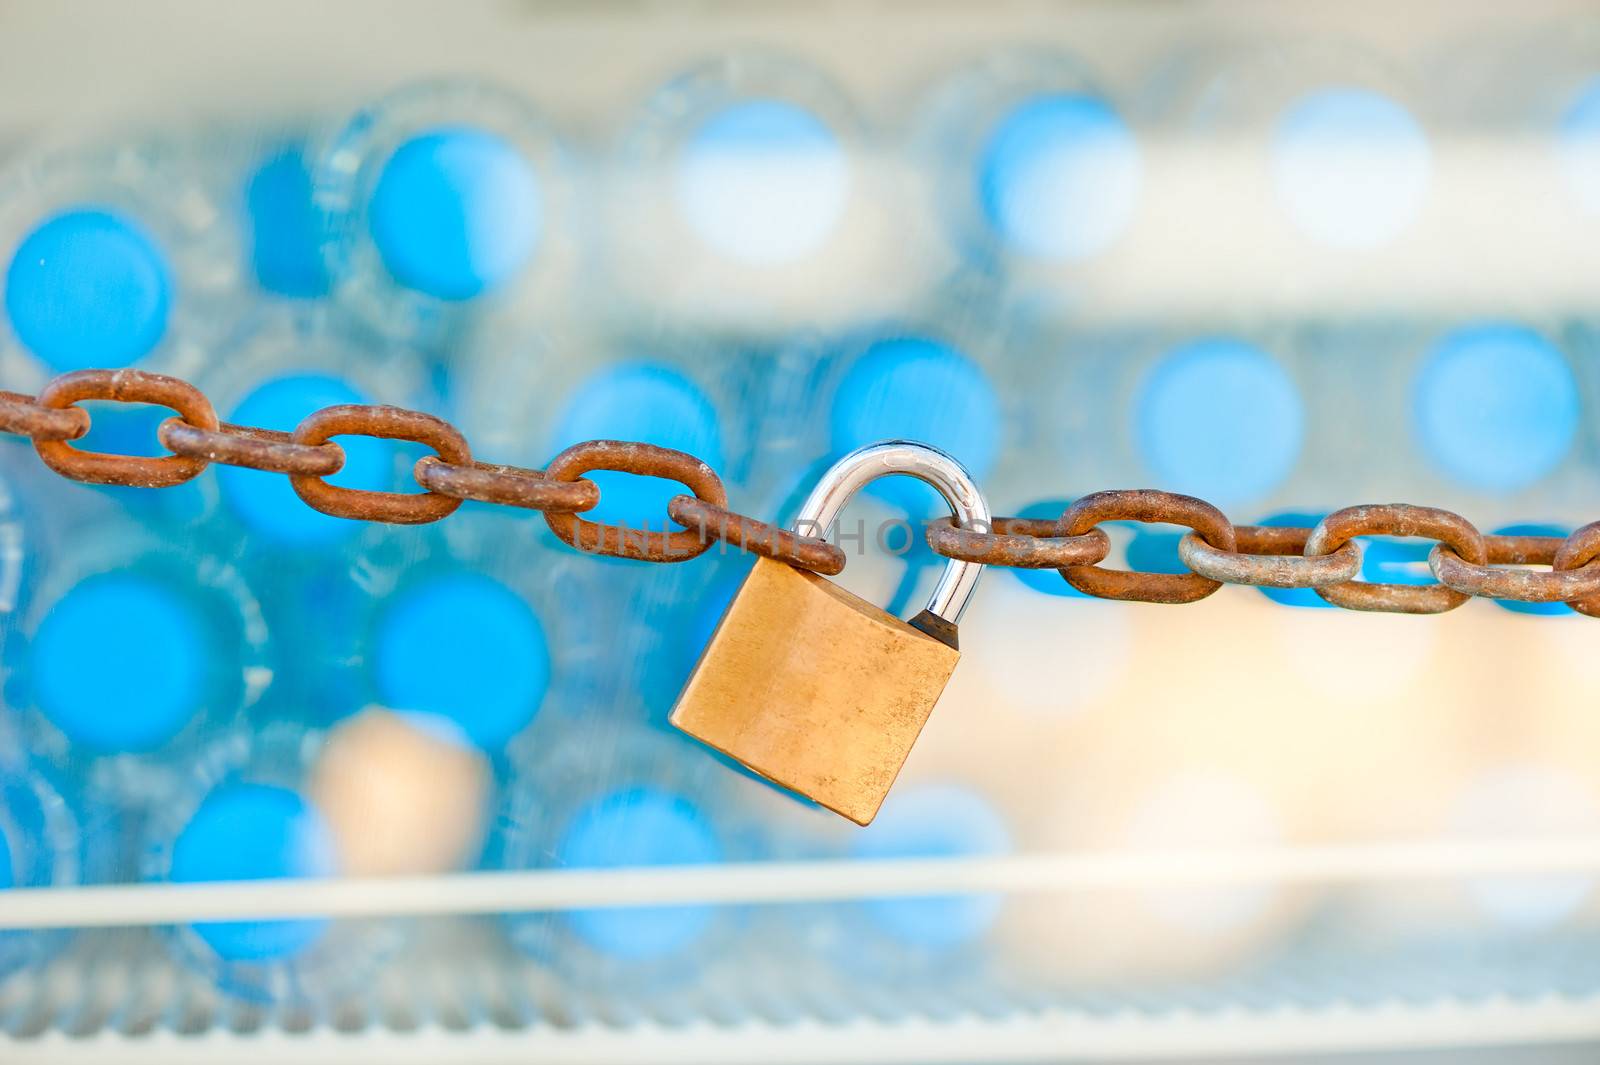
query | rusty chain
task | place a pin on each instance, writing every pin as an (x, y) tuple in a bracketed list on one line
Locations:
[(1464, 562)]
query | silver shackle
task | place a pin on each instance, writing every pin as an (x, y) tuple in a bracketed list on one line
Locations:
[(926, 463)]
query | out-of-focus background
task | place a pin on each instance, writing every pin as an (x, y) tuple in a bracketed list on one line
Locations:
[(1284, 257)]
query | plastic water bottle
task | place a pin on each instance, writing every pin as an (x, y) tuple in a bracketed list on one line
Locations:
[(1038, 169), (20, 550), (1348, 166), (1483, 417), (646, 802), (441, 199), (283, 364), (129, 655), (664, 393), (747, 188), (1496, 410), (283, 228), (1219, 415), (42, 842), (246, 814), (1537, 85), (112, 257), (403, 793), (468, 626), (650, 402), (915, 385)]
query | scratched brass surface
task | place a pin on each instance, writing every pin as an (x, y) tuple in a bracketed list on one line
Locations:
[(814, 688)]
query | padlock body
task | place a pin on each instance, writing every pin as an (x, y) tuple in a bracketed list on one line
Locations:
[(815, 688)]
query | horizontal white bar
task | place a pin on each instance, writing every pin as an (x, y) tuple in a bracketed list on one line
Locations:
[(777, 882)]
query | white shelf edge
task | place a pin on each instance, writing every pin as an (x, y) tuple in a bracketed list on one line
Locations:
[(779, 882)]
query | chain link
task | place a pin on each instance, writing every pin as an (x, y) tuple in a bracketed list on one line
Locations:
[(1464, 562)]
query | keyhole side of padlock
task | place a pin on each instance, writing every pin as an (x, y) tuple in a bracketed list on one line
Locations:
[(841, 481)]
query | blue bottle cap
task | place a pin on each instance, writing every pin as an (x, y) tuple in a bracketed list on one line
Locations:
[(457, 212), (500, 659), (1579, 140), (285, 230), (650, 403), (1154, 550), (1351, 167), (1220, 419), (265, 501), (1534, 529), (8, 872), (1496, 407), (763, 182), (152, 670), (915, 388), (639, 827), (933, 821), (255, 832), (88, 288), (1301, 597), (1393, 560), (1060, 176)]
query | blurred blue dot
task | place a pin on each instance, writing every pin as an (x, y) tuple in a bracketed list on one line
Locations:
[(639, 827), (151, 649), (457, 212), (88, 288), (500, 659), (1301, 597), (648, 403), (285, 230), (1351, 167), (1059, 178), (1048, 581), (1391, 560), (1496, 407), (1579, 146), (265, 501), (911, 388), (131, 429), (1534, 529), (933, 821), (1219, 419), (8, 876), (255, 832), (1155, 551), (763, 182)]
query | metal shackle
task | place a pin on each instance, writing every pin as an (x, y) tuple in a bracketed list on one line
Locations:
[(926, 463)]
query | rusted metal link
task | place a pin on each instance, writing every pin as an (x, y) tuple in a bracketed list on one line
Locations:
[(645, 460), (1150, 506), (1270, 556), (1494, 581), (21, 414), (1025, 543), (1575, 553), (124, 386), (1397, 519), (1522, 550), (251, 448), (758, 537), (511, 486), (385, 423)]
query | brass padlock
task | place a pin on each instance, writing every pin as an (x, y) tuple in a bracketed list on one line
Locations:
[(815, 688)]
